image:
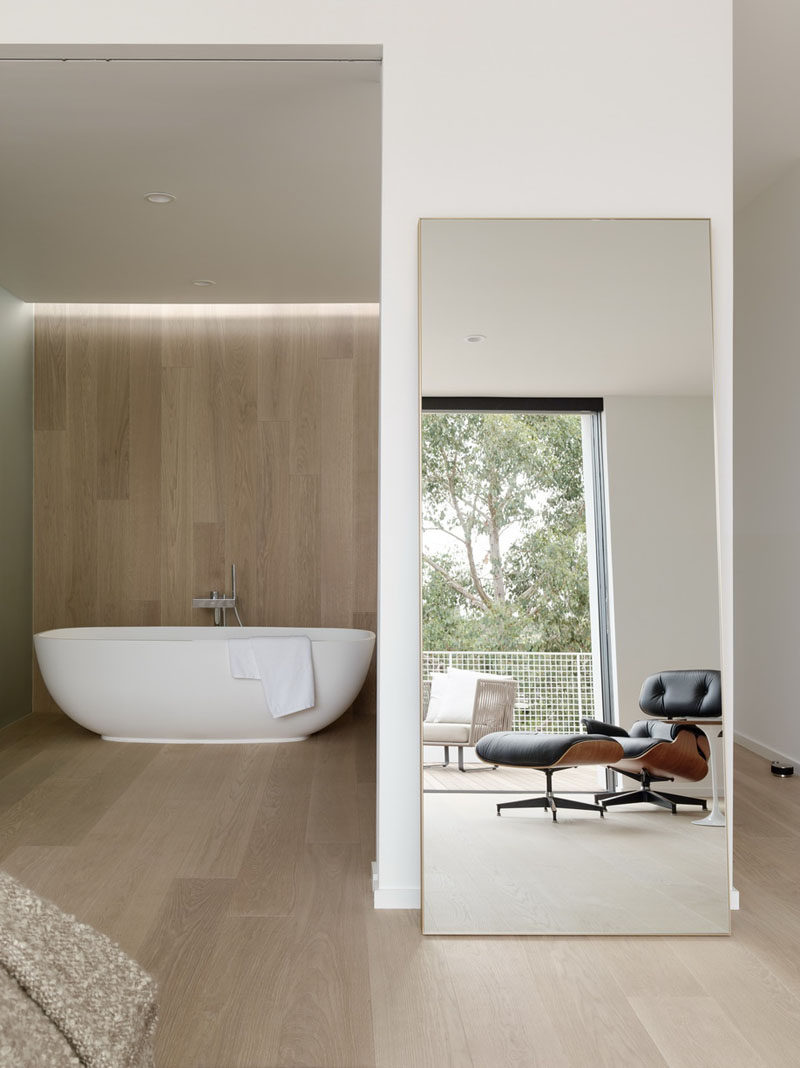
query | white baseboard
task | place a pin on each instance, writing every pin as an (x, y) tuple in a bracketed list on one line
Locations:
[(396, 897), (763, 750)]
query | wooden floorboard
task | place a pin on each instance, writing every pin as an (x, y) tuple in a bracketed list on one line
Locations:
[(482, 777), (180, 943), (239, 875), (579, 984)]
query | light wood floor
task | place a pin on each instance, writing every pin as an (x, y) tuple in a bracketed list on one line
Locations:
[(240, 877)]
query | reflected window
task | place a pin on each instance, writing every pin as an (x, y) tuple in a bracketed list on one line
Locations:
[(510, 569)]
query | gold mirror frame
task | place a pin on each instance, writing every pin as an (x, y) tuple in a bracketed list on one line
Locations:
[(724, 722)]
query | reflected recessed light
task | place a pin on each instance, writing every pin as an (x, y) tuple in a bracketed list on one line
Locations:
[(475, 339), (159, 198), (203, 282)]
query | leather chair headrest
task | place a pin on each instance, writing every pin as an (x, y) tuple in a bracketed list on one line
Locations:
[(694, 694)]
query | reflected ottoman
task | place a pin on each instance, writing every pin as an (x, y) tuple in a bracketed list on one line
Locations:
[(548, 753)]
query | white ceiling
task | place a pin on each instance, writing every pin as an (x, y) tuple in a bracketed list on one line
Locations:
[(275, 166), (568, 307)]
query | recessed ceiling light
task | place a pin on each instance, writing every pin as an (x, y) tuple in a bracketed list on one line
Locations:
[(475, 339), (203, 282), (159, 198)]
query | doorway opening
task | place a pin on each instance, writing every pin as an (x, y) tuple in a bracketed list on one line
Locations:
[(201, 297)]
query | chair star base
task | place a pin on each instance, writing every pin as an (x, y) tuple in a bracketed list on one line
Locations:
[(550, 802), (652, 797)]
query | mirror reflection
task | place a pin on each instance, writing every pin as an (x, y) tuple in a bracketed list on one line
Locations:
[(572, 779)]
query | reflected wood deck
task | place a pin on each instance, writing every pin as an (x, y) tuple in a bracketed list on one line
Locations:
[(240, 876)]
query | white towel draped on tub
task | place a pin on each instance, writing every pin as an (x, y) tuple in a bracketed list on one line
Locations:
[(284, 667)]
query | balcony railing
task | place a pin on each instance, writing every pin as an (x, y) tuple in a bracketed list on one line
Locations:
[(554, 690)]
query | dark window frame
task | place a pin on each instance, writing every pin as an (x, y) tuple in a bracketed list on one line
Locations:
[(578, 405)]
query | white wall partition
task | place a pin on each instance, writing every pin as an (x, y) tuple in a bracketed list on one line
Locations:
[(767, 501), (569, 108)]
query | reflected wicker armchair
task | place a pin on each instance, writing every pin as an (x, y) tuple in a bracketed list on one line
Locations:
[(466, 720)]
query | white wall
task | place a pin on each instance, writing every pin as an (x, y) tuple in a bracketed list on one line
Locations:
[(663, 539), (16, 507), (544, 108), (767, 483)]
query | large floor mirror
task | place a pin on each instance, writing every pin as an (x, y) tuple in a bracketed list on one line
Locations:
[(571, 722)]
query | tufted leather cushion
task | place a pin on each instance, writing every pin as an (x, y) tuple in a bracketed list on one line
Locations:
[(526, 749), (661, 731), (645, 734), (691, 694)]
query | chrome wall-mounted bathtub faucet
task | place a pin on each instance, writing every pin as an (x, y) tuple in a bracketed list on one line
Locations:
[(219, 603)]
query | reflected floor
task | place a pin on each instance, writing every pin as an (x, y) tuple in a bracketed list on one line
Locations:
[(640, 870), (480, 776)]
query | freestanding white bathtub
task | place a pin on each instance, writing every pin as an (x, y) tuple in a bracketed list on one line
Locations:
[(173, 684)]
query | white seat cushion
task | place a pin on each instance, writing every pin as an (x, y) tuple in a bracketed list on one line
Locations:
[(458, 697), (452, 698), (436, 699), (445, 733)]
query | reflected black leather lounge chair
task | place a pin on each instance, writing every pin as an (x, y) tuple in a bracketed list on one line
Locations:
[(672, 746)]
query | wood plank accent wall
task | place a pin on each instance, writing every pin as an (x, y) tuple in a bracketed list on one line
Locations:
[(170, 443)]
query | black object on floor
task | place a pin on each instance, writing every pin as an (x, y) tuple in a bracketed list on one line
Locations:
[(783, 770)]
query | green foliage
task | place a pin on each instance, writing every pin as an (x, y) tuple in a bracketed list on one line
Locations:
[(505, 492)]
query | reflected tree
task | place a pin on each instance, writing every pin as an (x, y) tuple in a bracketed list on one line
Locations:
[(504, 533)]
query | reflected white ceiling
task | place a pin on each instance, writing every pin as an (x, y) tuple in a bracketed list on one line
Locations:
[(275, 166), (569, 308)]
